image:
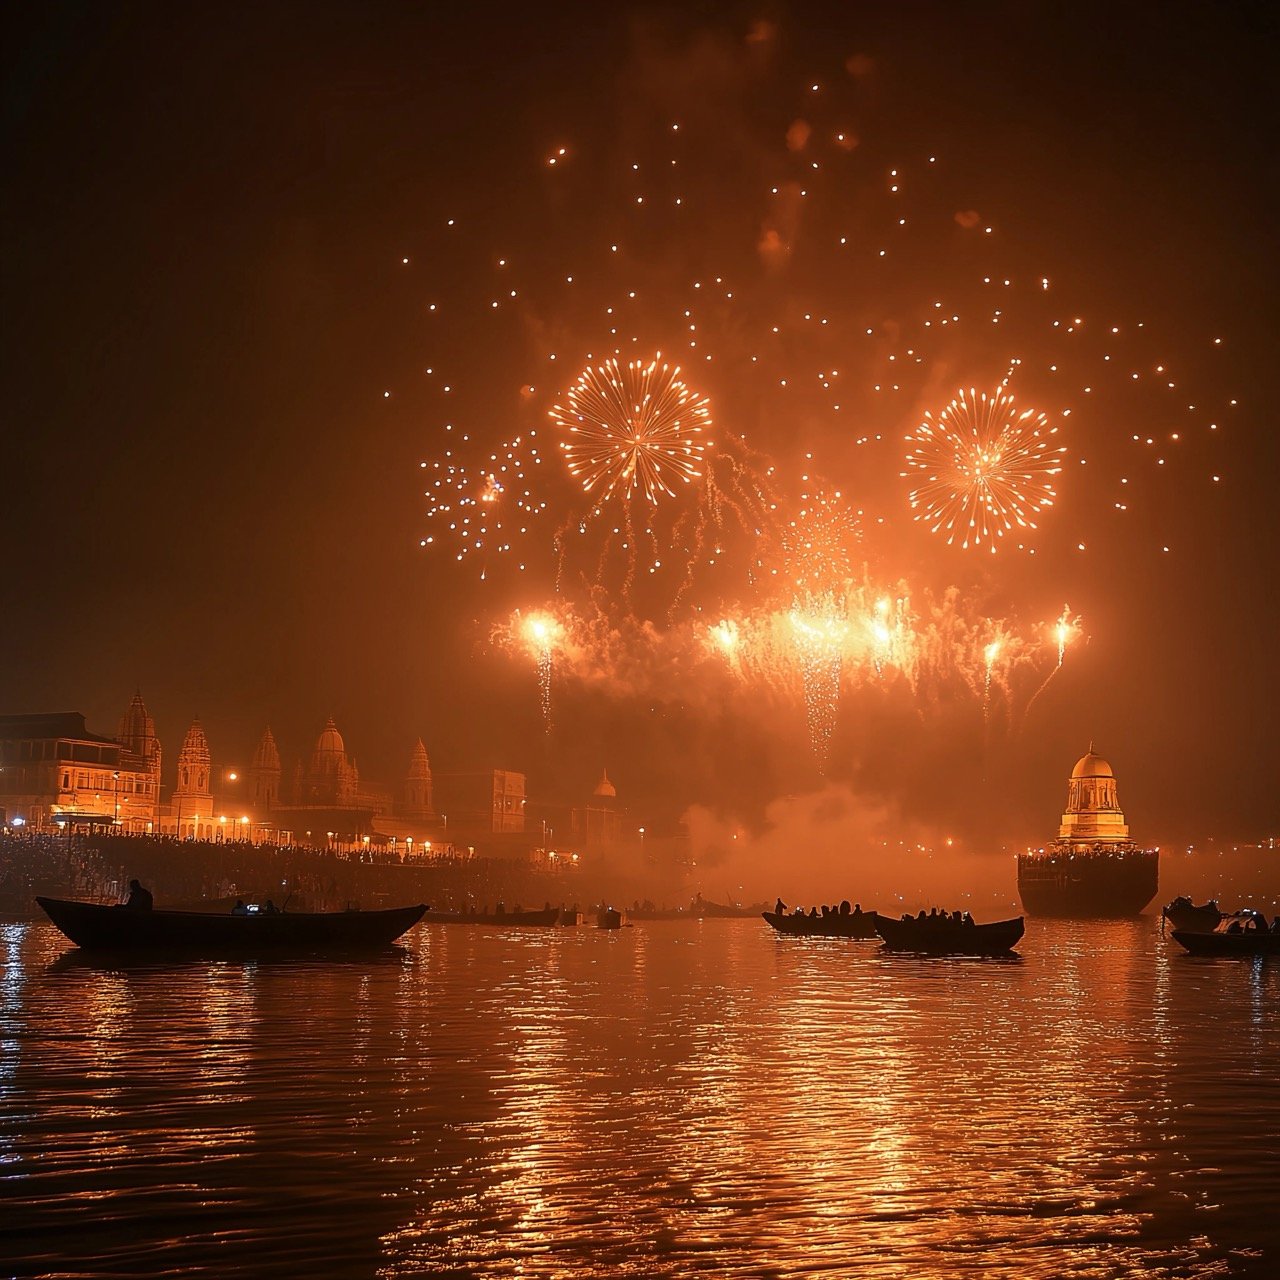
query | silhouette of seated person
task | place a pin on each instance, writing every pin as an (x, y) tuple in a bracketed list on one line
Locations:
[(269, 908), (857, 908), (239, 909), (844, 907), (813, 913), (139, 899), (779, 908)]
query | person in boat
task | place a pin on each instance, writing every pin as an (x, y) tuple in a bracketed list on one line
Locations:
[(857, 908), (139, 899), (1234, 927), (779, 908), (239, 909), (844, 907), (269, 908)]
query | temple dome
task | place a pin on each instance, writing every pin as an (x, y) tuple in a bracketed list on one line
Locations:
[(1092, 765), (329, 743), (604, 787)]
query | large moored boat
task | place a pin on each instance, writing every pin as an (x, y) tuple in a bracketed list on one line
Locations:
[(1092, 869)]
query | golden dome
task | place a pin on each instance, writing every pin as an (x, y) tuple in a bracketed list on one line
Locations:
[(1092, 765), (605, 788)]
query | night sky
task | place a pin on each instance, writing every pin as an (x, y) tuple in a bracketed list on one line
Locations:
[(217, 400)]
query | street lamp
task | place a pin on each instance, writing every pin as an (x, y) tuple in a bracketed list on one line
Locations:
[(641, 842), (115, 815)]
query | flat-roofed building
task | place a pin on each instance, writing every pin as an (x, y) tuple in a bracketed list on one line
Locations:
[(55, 773)]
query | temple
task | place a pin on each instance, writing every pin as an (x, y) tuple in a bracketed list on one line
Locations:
[(1092, 869)]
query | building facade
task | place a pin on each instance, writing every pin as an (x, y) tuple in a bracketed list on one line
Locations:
[(55, 774)]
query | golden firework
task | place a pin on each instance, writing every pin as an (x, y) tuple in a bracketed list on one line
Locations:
[(982, 469)]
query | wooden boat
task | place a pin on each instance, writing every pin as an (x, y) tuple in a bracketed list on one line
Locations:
[(112, 928), (938, 937), (611, 918), (503, 919), (1183, 914), (1243, 933), (854, 924)]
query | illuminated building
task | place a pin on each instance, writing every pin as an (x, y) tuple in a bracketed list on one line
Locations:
[(192, 807), (598, 823), (483, 804), (417, 787), (55, 773), (1092, 868)]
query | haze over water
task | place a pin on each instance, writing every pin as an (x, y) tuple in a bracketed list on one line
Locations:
[(672, 1099)]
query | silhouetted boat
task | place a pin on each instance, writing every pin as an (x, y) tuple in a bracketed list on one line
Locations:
[(708, 910), (1243, 933), (610, 918), (861, 924), (112, 928), (1183, 914), (546, 916), (938, 937)]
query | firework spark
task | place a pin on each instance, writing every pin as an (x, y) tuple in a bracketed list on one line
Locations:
[(633, 430), (541, 632), (482, 505), (819, 627), (982, 469)]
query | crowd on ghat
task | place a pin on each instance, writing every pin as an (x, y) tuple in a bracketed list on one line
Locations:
[(191, 872)]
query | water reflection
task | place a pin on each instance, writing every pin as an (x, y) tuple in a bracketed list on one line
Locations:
[(673, 1097)]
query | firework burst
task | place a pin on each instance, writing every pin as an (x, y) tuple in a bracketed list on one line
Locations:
[(982, 469), (633, 431), (482, 504)]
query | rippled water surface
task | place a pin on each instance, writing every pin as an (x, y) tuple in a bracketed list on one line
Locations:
[(672, 1099)]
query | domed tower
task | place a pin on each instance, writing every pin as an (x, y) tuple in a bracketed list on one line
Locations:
[(1092, 869), (417, 785), (605, 790), (1093, 813), (332, 779), (138, 733), (265, 772)]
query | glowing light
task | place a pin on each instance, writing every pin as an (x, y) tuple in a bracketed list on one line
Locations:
[(819, 627), (633, 430), (982, 469), (542, 632)]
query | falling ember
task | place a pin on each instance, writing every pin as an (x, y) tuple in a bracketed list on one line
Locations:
[(632, 430), (819, 628), (981, 468), (541, 632)]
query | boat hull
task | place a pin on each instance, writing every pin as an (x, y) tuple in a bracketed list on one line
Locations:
[(832, 925), (1088, 886), (1184, 915), (945, 938), (1250, 942), (100, 928)]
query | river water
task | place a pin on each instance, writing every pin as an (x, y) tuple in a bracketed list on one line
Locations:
[(677, 1098)]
